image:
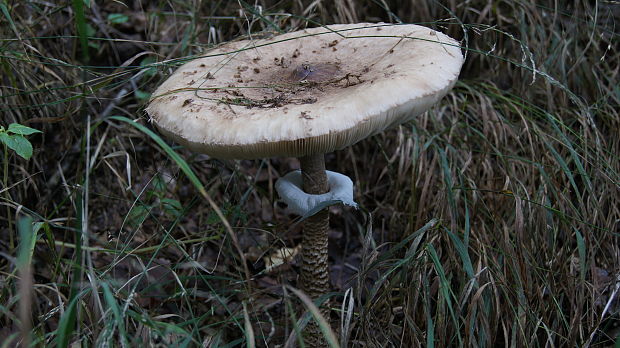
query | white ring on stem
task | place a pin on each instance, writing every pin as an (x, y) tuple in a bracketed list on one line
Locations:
[(290, 189)]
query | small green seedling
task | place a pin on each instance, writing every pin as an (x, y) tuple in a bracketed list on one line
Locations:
[(14, 138)]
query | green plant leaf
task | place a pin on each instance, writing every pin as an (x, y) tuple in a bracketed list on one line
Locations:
[(117, 18), (141, 95), (67, 320), (137, 215), (81, 27), (239, 214), (17, 128), (172, 206), (159, 185), (17, 143), (5, 10), (212, 218), (90, 30), (146, 62), (116, 312), (28, 236)]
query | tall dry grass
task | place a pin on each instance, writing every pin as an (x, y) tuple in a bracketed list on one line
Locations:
[(491, 220)]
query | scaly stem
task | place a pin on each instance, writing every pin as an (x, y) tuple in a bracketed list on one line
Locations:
[(314, 267)]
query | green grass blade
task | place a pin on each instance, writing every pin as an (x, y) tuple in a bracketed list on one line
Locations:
[(249, 331), (430, 325), (447, 177), (581, 250), (5, 11), (68, 320), (116, 312), (461, 249), (28, 238), (80, 23), (567, 172), (467, 218), (254, 12), (410, 255), (316, 314), (185, 168), (573, 153), (28, 233), (444, 287), (66, 325)]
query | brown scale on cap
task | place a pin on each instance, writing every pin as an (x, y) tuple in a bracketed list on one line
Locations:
[(314, 72)]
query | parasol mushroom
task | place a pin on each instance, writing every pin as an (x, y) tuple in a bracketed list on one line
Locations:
[(304, 94)]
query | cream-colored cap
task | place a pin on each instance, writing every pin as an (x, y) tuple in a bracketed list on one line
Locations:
[(305, 92)]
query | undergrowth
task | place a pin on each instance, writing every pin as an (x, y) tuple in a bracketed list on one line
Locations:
[(490, 220)]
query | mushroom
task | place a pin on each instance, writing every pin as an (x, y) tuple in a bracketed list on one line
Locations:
[(304, 94)]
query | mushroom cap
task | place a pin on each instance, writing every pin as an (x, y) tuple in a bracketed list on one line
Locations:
[(305, 92)]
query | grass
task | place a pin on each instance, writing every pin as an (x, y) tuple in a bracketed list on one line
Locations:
[(491, 220)]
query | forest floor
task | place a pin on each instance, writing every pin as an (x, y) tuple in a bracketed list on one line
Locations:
[(491, 220)]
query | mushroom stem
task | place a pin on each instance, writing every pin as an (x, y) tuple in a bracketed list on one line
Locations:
[(313, 174), (314, 269)]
